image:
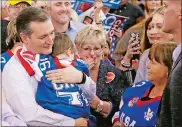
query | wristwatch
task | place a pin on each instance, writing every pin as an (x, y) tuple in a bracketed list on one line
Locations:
[(100, 106)]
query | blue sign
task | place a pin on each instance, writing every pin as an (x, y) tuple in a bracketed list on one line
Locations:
[(111, 24), (107, 3)]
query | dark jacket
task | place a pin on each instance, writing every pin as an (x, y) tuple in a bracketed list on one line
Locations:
[(109, 91), (4, 24), (171, 104)]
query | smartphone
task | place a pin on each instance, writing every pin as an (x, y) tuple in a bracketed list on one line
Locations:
[(87, 20), (135, 37)]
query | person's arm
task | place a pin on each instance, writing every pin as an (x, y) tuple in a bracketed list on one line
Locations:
[(115, 119), (20, 94), (141, 72), (71, 75), (8, 116), (97, 9)]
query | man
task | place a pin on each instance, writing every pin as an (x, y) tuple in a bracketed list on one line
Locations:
[(171, 105), (127, 9), (60, 11), (36, 31), (13, 8)]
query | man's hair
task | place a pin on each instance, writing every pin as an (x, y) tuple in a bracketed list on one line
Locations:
[(91, 34), (162, 53), (12, 34), (29, 15), (62, 42)]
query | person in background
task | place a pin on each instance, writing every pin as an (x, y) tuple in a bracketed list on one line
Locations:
[(140, 3), (106, 51), (3, 9), (171, 105), (60, 12), (40, 4), (13, 8), (122, 44), (139, 104), (110, 81), (9, 118), (152, 34), (127, 9), (125, 45), (151, 6), (13, 42)]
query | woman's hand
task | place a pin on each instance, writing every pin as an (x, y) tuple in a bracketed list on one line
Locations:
[(81, 122), (65, 75), (90, 62), (133, 49), (118, 124)]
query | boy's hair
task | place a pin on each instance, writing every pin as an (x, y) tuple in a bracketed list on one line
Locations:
[(162, 53), (62, 43), (12, 34), (90, 34)]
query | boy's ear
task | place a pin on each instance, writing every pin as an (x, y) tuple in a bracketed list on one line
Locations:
[(69, 52)]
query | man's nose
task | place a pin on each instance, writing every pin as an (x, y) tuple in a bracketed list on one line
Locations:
[(50, 40)]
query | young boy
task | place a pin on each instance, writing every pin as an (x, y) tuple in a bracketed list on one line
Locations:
[(66, 99)]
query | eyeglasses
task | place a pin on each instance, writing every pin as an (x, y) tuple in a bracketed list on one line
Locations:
[(95, 50), (19, 6)]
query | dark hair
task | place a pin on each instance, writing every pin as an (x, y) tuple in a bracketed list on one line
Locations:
[(29, 15), (162, 53)]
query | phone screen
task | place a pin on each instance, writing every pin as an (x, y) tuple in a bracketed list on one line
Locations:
[(87, 20)]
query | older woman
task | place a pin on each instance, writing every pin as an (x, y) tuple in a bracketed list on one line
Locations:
[(139, 104), (110, 81)]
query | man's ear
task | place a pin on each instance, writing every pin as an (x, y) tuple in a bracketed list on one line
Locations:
[(23, 38), (179, 15)]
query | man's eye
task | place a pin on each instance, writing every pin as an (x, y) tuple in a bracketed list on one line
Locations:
[(67, 3)]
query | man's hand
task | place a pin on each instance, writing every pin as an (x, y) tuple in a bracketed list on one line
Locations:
[(81, 122), (66, 75)]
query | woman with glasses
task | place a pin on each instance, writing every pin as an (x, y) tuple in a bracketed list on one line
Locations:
[(110, 81)]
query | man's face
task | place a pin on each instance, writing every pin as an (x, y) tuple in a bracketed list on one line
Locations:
[(41, 39), (14, 10), (60, 11), (171, 17)]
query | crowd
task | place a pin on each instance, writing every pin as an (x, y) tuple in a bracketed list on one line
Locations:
[(58, 71)]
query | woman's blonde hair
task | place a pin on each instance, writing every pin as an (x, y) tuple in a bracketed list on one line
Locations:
[(90, 34), (162, 53), (62, 43), (12, 35)]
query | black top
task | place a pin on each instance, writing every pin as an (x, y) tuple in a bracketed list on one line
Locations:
[(4, 24), (129, 10), (109, 91)]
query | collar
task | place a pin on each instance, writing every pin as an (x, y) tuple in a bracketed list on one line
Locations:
[(176, 52)]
